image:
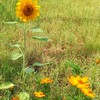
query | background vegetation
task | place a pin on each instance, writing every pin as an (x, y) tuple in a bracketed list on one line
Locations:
[(74, 29)]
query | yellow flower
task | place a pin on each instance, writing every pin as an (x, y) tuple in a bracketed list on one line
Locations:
[(39, 94), (88, 92), (27, 10), (77, 80), (97, 61), (46, 80)]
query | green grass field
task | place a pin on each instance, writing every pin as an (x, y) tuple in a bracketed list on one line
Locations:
[(73, 27)]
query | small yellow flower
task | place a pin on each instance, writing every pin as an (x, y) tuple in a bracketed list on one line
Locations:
[(88, 92), (46, 80), (97, 61), (77, 80), (27, 10), (39, 94)]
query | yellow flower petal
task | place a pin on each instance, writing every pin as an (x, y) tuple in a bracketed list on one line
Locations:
[(88, 92), (82, 80), (73, 80), (86, 85)]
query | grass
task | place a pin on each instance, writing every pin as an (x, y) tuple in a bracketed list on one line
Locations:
[(74, 28)]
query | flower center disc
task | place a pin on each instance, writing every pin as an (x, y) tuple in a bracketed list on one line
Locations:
[(28, 10)]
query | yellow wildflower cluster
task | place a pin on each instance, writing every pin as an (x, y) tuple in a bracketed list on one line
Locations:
[(82, 84), (46, 81), (43, 81)]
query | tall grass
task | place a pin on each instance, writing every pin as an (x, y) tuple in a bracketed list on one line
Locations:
[(74, 28)]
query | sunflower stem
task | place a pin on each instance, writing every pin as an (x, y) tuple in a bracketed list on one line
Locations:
[(24, 52)]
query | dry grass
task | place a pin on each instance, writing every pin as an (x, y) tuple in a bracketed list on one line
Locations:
[(74, 29)]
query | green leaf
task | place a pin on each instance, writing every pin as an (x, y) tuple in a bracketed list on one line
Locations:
[(14, 22), (28, 70), (6, 85), (41, 38), (13, 45), (37, 30), (24, 96), (16, 55), (40, 64)]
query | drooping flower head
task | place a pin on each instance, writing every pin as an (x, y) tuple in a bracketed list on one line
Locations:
[(39, 94), (27, 10)]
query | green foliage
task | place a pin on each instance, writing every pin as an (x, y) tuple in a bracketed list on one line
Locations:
[(75, 67)]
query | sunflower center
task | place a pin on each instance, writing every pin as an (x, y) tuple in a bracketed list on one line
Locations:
[(28, 10)]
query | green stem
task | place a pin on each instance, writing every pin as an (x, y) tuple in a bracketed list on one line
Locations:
[(24, 52)]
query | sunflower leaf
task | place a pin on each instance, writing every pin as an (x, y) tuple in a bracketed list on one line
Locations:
[(28, 70), (6, 85), (37, 30), (13, 45), (14, 22), (44, 39), (24, 96), (16, 55)]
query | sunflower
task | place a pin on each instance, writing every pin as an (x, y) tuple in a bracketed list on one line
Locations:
[(27, 10)]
